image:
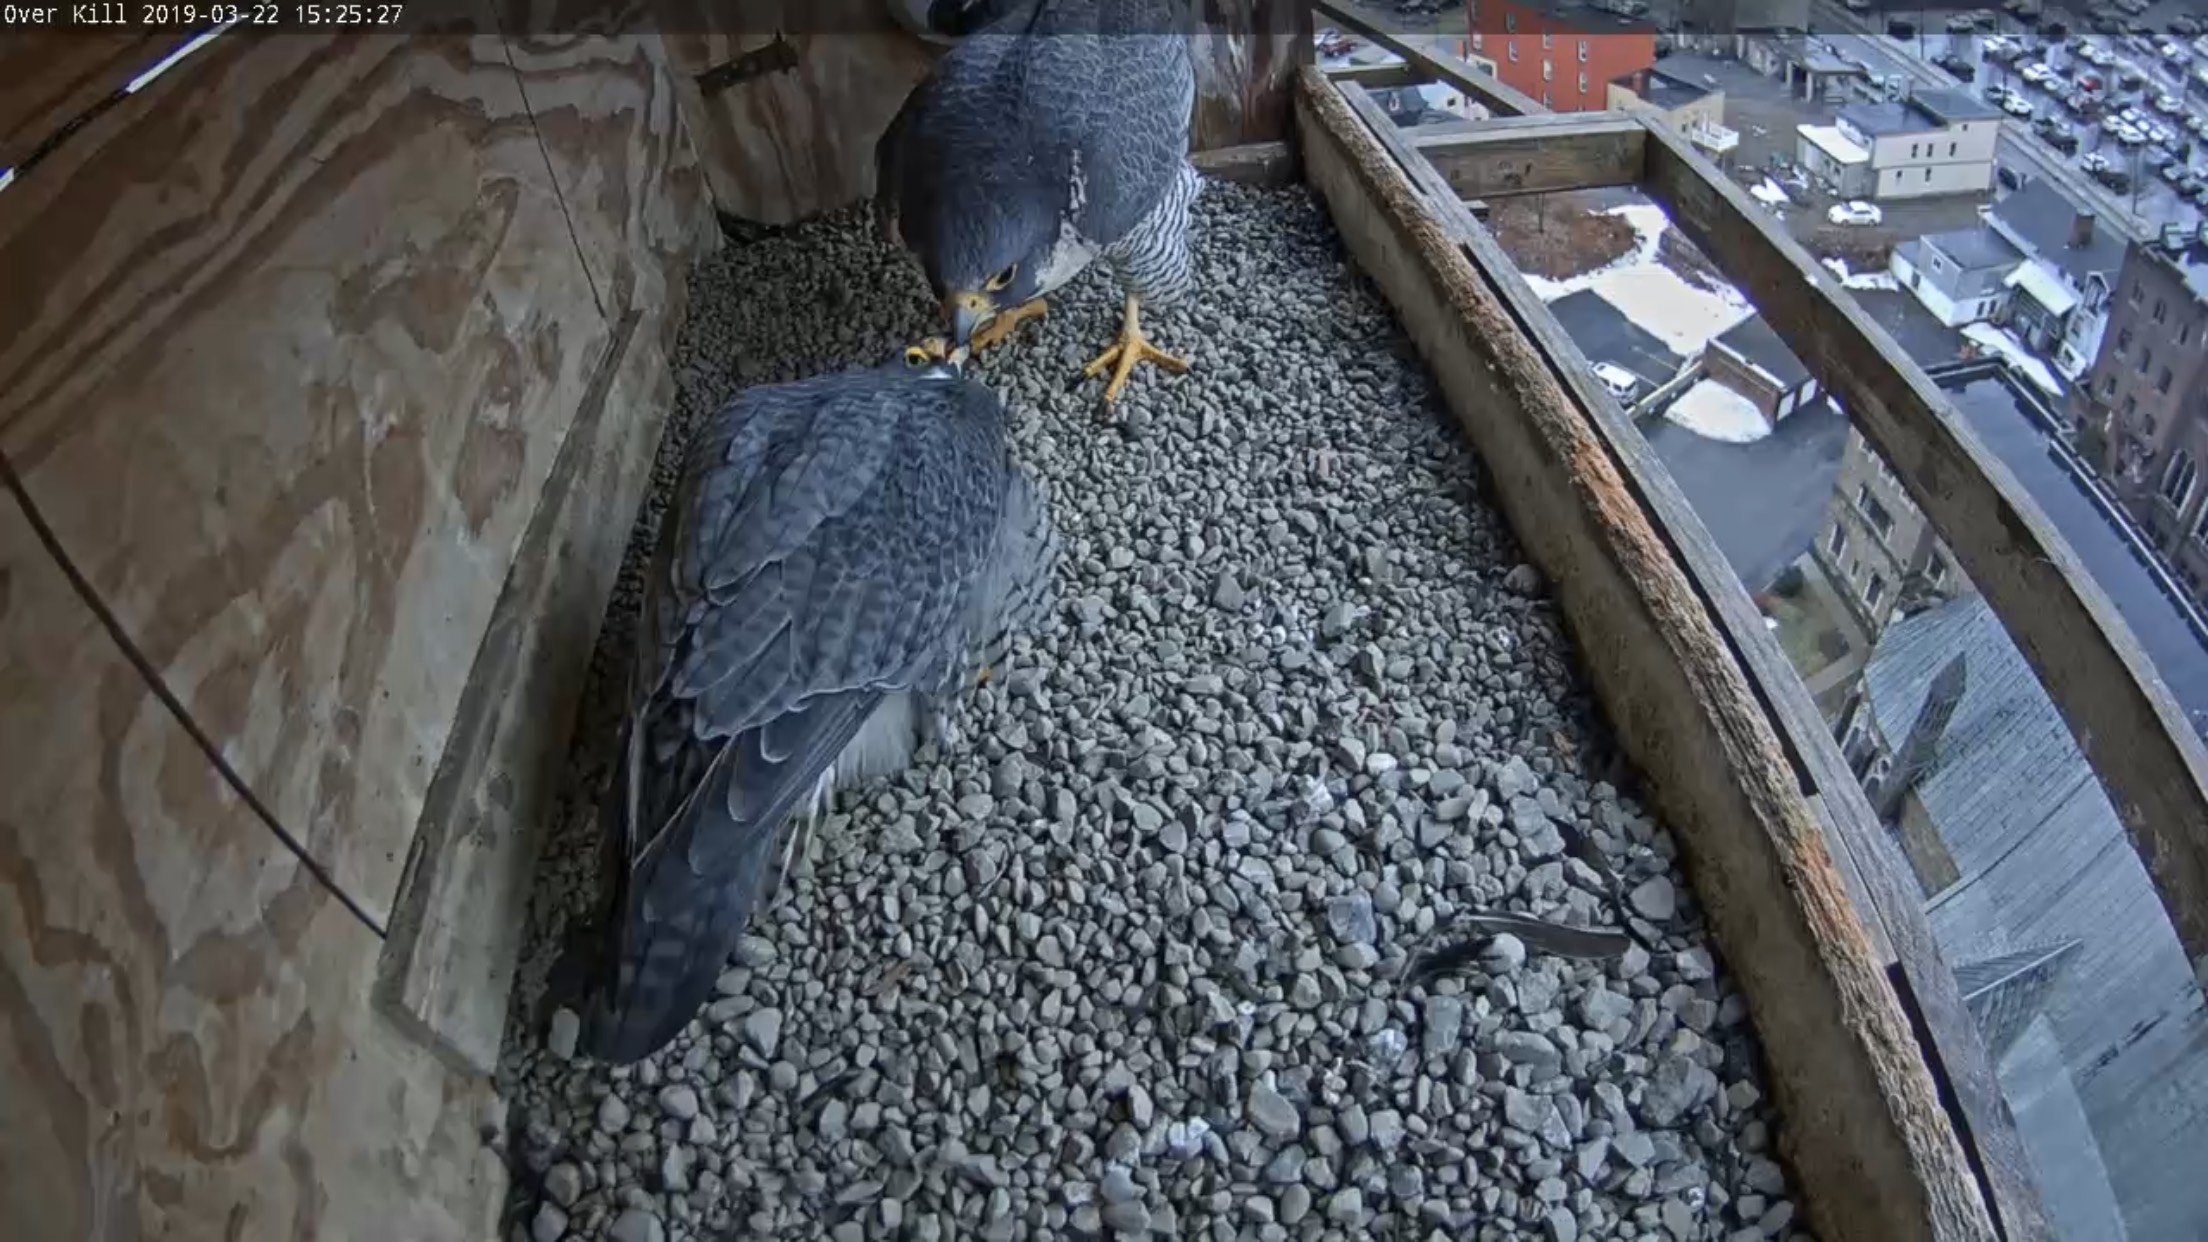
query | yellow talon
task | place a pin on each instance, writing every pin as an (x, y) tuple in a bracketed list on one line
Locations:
[(982, 678), (1002, 324), (1131, 349)]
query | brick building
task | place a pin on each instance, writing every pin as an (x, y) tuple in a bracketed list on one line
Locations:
[(2144, 404), (1563, 54), (1875, 544)]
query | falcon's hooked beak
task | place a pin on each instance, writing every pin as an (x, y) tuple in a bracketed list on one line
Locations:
[(968, 312)]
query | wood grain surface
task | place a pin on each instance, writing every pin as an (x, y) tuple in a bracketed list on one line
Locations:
[(311, 326), (1872, 1151), (49, 77), (1246, 64), (186, 1050)]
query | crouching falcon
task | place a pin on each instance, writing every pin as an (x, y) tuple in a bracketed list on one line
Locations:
[(1056, 133), (841, 556)]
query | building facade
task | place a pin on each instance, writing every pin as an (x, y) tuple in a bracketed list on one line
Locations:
[(1875, 545), (1564, 55), (1932, 143), (1961, 277), (2146, 402)]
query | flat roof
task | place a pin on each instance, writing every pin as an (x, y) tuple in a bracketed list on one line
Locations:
[(1829, 139), (1923, 112), (1975, 250)]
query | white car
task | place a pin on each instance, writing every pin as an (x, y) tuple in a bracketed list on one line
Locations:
[(1857, 212), (2036, 73), (2127, 136), (1617, 379), (2016, 105)]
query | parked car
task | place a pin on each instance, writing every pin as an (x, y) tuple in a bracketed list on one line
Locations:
[(2185, 25), (2114, 178), (2173, 174), (1856, 212), (1961, 70), (2016, 105), (2065, 142), (2168, 104), (2198, 123), (2036, 73), (2197, 192), (2128, 77), (2055, 28), (1901, 29)]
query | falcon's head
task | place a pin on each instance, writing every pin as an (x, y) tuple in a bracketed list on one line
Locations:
[(992, 258)]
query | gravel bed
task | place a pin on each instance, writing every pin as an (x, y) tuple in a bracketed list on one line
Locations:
[(1139, 958)]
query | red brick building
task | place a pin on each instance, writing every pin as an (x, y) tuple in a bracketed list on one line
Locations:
[(1561, 53)]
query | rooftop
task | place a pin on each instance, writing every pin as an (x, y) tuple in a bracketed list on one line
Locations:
[(1923, 112), (1829, 139), (2000, 410), (1976, 250), (1753, 339), (1604, 334), (2190, 263), (2040, 217), (1662, 89)]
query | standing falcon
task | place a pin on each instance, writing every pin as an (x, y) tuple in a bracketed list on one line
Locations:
[(839, 555), (1056, 133)]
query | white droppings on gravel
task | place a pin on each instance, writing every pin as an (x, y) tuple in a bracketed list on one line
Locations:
[(1135, 959)]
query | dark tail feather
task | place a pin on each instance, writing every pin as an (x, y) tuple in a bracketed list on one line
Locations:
[(668, 939), (677, 911)]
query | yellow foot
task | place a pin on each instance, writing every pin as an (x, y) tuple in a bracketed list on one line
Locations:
[(1001, 326), (982, 678), (1132, 348)]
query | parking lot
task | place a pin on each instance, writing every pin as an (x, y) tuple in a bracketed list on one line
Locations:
[(2123, 109)]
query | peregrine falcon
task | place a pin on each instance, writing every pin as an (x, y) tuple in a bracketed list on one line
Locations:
[(842, 556), (1055, 134)]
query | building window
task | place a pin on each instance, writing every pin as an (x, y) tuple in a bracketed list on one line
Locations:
[(2131, 404), (1479, 41), (2108, 385), (1583, 82), (2200, 527), (2161, 308), (1874, 591), (1874, 512), (1513, 51), (2162, 381), (1935, 570), (1547, 40), (1548, 70), (2146, 361), (1546, 102), (2178, 480), (1583, 51), (1839, 541), (1912, 150), (2123, 342), (2185, 332), (1927, 174), (1951, 148), (1510, 23), (2137, 292)]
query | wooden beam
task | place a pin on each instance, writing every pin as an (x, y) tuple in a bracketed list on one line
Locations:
[(1379, 77), (1878, 880), (1486, 89), (2147, 757), (1874, 1154), (1253, 163), (1534, 154)]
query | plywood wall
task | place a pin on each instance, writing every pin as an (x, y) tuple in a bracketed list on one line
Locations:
[(324, 358), (798, 139)]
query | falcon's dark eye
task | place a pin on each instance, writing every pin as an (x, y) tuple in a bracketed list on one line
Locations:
[(915, 356), (1002, 280)]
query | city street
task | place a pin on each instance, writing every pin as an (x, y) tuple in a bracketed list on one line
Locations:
[(2135, 215)]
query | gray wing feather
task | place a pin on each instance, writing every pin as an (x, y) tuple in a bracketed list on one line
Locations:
[(826, 539)]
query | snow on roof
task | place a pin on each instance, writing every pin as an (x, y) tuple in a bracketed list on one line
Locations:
[(1712, 410), (1829, 139), (2044, 287)]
